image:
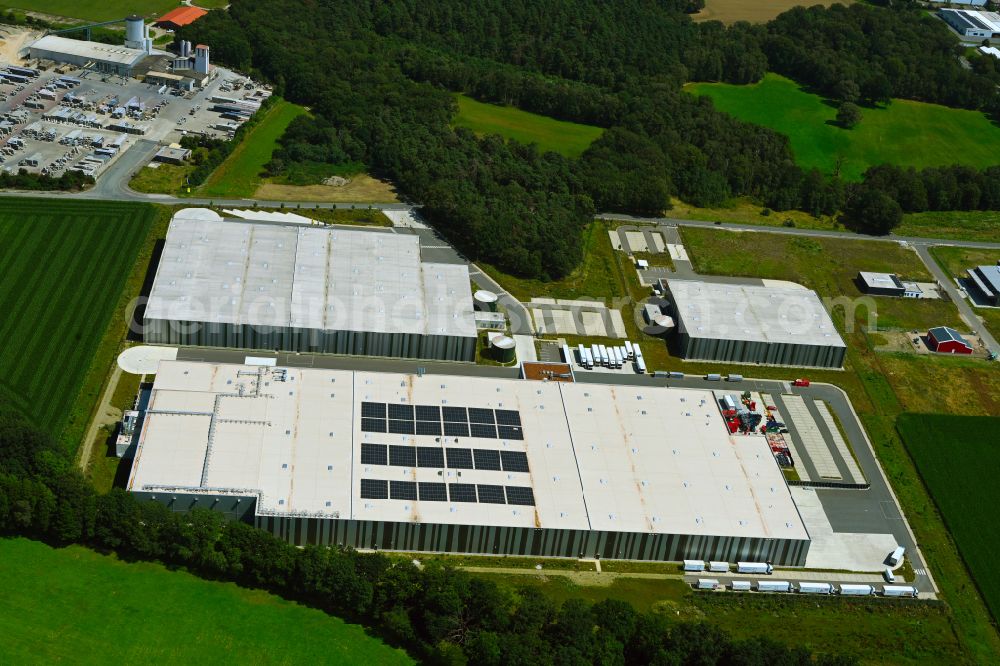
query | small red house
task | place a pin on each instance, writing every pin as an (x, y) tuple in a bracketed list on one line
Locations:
[(945, 340)]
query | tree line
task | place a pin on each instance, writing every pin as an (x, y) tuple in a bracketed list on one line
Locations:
[(378, 77), (439, 614)]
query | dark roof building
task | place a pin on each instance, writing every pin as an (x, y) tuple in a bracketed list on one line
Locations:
[(987, 281), (880, 284), (946, 340)]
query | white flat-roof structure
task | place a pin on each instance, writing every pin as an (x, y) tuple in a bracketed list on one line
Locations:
[(987, 281), (970, 23), (770, 324), (265, 285), (465, 464), (105, 57)]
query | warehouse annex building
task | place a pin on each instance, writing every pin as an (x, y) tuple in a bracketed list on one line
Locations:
[(782, 324), (465, 464), (306, 288)]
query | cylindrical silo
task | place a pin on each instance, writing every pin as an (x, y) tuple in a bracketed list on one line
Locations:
[(485, 300), (134, 29), (503, 348)]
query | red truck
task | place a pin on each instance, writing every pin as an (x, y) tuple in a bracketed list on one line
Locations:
[(800, 382)]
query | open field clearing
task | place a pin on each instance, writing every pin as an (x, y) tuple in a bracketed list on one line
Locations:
[(957, 459), (362, 189), (166, 178), (977, 225), (754, 11), (565, 138), (74, 605), (108, 10), (64, 264), (904, 133), (239, 175)]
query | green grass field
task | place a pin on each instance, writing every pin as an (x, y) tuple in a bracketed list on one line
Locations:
[(549, 134), (74, 605), (958, 459), (64, 264), (108, 10), (905, 133), (239, 175)]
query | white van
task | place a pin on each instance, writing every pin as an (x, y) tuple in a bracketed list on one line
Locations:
[(888, 575)]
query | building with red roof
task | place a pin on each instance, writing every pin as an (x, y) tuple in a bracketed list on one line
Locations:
[(180, 17)]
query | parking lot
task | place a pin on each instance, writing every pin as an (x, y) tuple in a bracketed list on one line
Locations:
[(66, 118)]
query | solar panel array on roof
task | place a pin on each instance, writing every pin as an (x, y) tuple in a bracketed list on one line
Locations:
[(403, 490), (374, 489), (462, 492), (432, 492), (460, 458), (374, 454), (489, 494), (514, 461), (373, 425), (487, 459), (431, 420), (430, 456), (402, 456), (522, 495)]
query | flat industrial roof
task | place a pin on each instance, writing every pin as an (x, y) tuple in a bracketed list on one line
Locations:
[(987, 277), (311, 442), (881, 280), (772, 314), (93, 50), (308, 277)]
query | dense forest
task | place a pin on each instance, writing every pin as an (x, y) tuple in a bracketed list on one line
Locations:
[(441, 615), (378, 74)]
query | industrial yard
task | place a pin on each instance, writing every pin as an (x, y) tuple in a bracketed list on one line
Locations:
[(73, 105)]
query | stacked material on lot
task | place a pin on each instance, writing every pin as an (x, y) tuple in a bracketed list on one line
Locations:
[(739, 323), (271, 285), (465, 464)]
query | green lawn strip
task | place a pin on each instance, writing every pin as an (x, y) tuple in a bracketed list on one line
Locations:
[(165, 179), (904, 132), (74, 605), (239, 174), (109, 10), (549, 134), (958, 465), (970, 225)]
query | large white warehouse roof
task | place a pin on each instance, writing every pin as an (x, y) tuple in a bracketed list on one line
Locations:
[(92, 50), (460, 450), (306, 277)]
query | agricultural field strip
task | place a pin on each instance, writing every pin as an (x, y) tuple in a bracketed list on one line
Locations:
[(812, 438), (838, 441)]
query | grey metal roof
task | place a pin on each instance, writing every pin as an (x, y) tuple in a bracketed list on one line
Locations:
[(988, 278), (946, 333)]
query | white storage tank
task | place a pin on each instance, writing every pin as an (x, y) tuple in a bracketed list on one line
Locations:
[(694, 565), (486, 300), (503, 348)]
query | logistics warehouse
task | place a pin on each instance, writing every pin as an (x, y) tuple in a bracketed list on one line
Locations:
[(465, 464), (306, 288)]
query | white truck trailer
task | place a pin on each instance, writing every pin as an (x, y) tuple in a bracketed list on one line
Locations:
[(694, 565), (773, 586), (854, 590), (719, 567), (815, 588), (899, 591), (707, 584), (754, 568)]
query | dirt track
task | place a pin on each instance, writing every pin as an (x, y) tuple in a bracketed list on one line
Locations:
[(754, 11)]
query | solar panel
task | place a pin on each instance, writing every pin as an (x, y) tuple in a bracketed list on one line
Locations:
[(374, 454), (401, 427), (510, 432), (456, 429), (462, 492), (491, 494), (402, 456), (477, 415), (514, 461), (403, 490), (372, 425), (404, 412), (483, 430), (522, 495), (454, 414), (508, 417), (374, 489), (428, 413), (428, 427), (432, 492), (487, 459), (460, 458), (373, 410), (430, 456)]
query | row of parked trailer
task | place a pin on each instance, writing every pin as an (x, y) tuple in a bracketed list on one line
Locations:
[(606, 356), (844, 589), (724, 567)]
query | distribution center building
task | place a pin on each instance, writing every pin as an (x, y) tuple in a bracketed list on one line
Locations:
[(104, 57), (987, 281), (738, 323), (306, 288), (437, 463)]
